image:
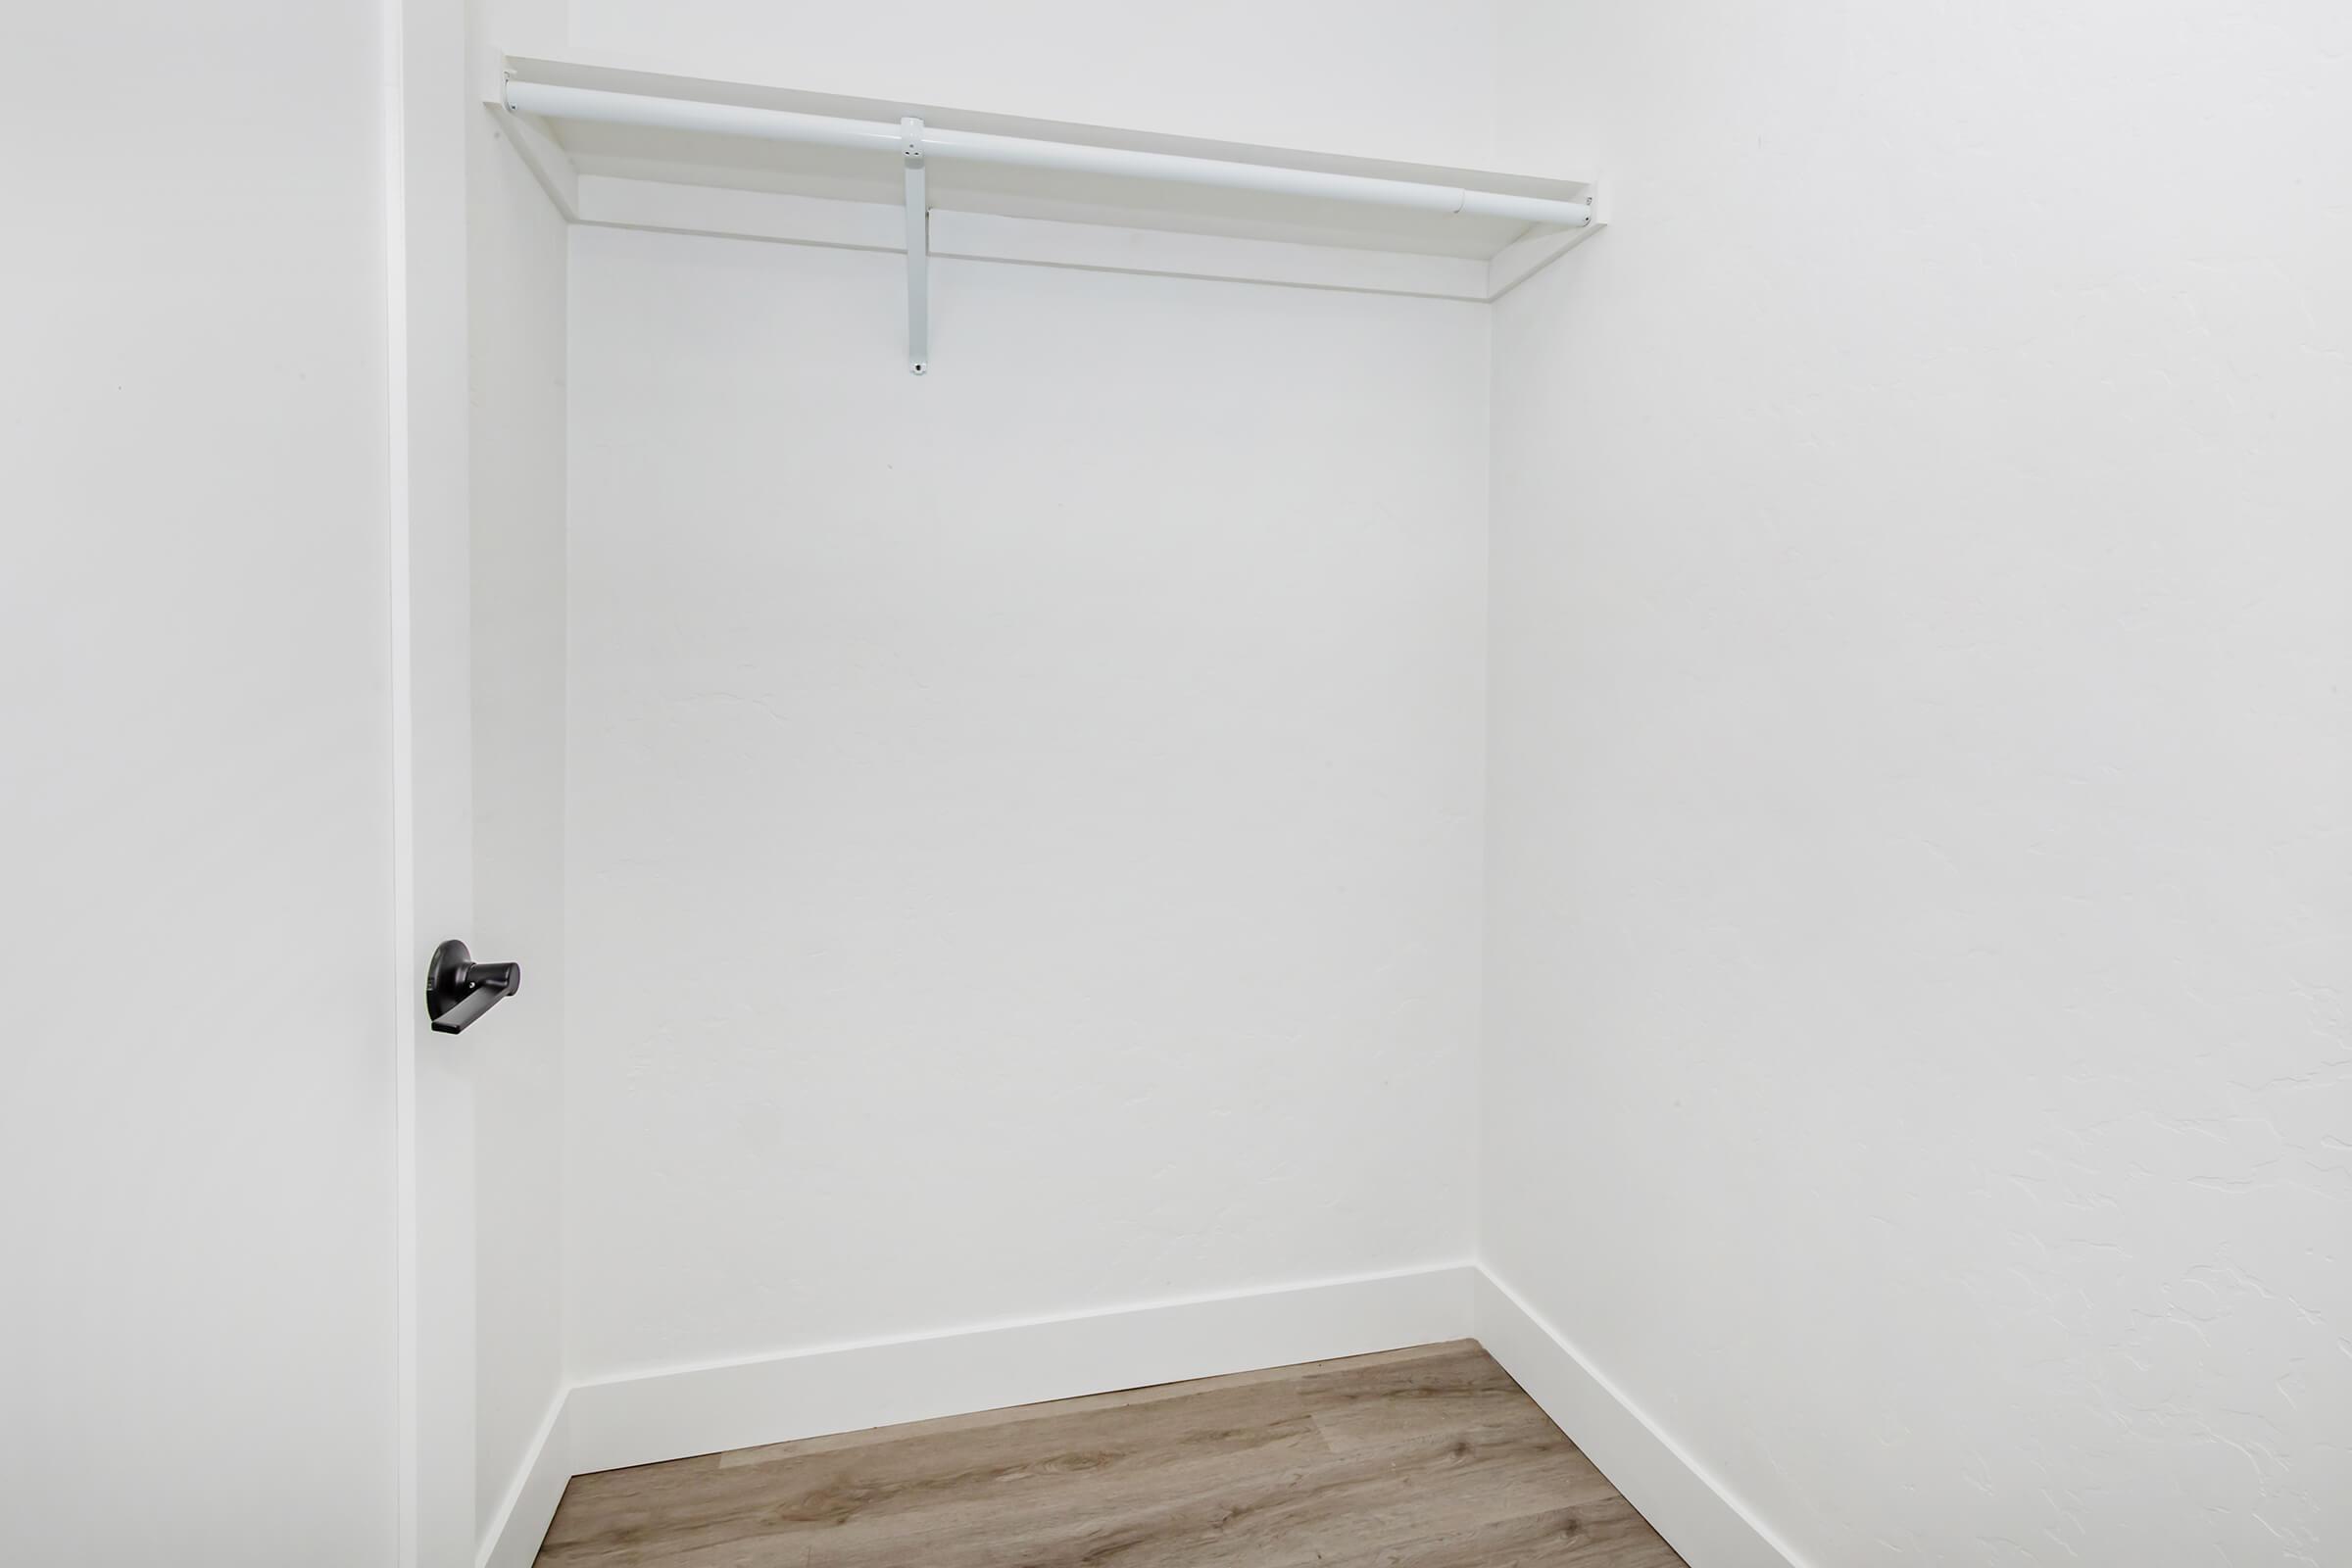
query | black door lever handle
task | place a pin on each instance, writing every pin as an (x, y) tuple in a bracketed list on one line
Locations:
[(458, 989)]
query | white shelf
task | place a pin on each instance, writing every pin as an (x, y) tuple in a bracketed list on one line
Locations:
[(658, 177)]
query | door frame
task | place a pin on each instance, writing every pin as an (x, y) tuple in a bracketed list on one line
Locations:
[(428, 532)]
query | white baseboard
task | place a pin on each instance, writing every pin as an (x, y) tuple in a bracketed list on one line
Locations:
[(530, 1502), (1680, 1500), (670, 1415)]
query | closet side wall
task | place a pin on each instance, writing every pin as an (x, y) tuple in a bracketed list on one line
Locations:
[(1921, 849), (517, 288), (1024, 835)]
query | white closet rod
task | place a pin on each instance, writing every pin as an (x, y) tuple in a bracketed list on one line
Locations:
[(825, 130)]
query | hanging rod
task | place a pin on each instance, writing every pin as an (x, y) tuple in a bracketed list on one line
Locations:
[(826, 131)]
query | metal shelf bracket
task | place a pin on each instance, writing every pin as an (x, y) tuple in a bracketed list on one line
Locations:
[(918, 248)]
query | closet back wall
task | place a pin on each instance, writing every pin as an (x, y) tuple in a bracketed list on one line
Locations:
[(1024, 822), (1396, 78)]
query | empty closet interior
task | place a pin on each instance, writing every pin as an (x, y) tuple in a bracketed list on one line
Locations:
[(979, 645), (1102, 727)]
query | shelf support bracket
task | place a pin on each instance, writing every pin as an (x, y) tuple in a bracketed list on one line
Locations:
[(918, 247)]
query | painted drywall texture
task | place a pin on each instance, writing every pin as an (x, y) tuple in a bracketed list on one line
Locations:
[(1023, 831), (1921, 892), (196, 1125), (517, 266), (1398, 79)]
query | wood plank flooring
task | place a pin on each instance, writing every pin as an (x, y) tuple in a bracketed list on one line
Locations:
[(1423, 1458)]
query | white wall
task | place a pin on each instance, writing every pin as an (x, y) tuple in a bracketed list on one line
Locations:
[(516, 292), (1399, 79), (196, 1126), (1921, 895), (1024, 820)]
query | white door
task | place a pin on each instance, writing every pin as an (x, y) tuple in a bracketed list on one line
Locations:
[(234, 1244)]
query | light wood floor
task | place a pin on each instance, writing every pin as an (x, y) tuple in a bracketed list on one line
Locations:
[(1423, 1458)]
